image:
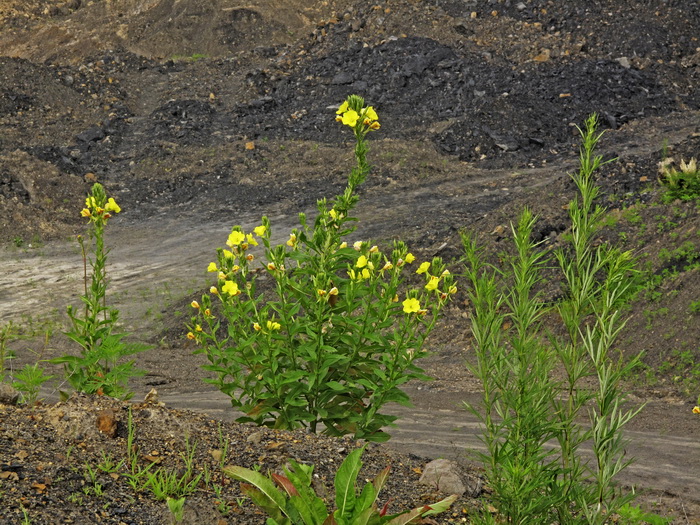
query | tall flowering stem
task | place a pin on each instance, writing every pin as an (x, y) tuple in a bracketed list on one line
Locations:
[(98, 368), (338, 331)]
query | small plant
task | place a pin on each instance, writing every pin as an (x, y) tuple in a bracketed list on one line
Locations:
[(681, 182), (170, 484), (297, 503), (177, 508), (98, 369), (109, 465), (28, 382), (630, 515), (334, 341), (6, 332)]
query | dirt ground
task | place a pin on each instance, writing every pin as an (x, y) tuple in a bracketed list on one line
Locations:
[(200, 114)]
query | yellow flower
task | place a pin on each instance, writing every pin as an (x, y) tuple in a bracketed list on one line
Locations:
[(251, 240), (257, 327), (190, 335), (212, 267), (375, 126), (445, 272), (260, 230), (228, 254), (452, 290), (361, 261), (432, 283), (207, 312), (272, 325), (350, 118), (292, 242), (423, 267), (333, 214), (236, 267), (112, 205), (343, 245), (221, 276), (696, 410), (374, 249), (387, 266), (321, 293), (198, 328), (235, 238), (85, 212), (343, 108), (333, 291), (370, 113), (410, 258), (195, 305), (271, 266), (230, 288), (411, 305), (214, 290), (357, 245), (91, 203), (365, 273)]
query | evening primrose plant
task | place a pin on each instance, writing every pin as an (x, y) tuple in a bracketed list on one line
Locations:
[(337, 335), (99, 369)]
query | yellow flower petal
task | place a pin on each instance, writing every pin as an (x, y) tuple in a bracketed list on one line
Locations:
[(259, 230), (423, 267), (343, 108), (411, 305), (361, 262), (370, 113), (235, 238), (212, 267), (432, 283), (410, 258), (112, 206), (350, 118), (230, 288)]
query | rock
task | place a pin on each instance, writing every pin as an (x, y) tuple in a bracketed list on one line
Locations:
[(8, 395), (107, 422), (343, 78), (443, 475), (255, 438), (92, 134), (624, 62)]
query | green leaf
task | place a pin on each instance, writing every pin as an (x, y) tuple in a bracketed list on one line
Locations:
[(263, 484), (345, 480)]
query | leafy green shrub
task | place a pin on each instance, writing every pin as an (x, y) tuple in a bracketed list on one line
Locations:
[(333, 341)]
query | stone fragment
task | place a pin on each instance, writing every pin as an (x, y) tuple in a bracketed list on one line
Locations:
[(443, 475), (8, 395), (107, 422)]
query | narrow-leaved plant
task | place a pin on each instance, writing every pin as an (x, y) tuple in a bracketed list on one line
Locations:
[(534, 382), (337, 334)]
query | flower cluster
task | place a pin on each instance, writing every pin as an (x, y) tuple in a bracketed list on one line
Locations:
[(361, 119), (97, 209)]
